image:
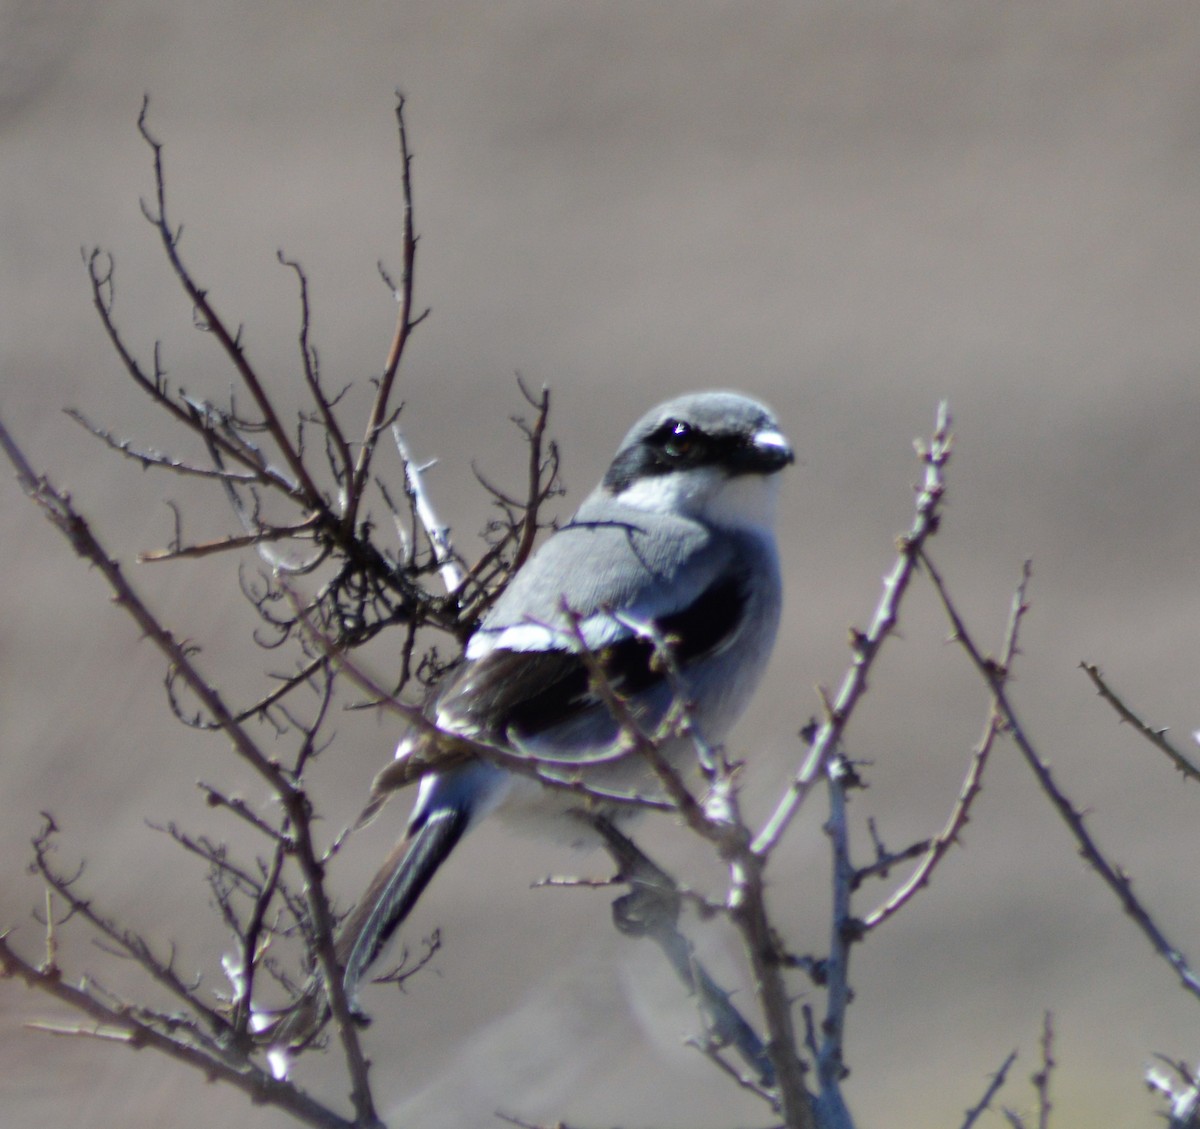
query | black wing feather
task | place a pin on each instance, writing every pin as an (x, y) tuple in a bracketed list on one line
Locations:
[(528, 692)]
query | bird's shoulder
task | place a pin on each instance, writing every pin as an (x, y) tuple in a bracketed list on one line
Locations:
[(524, 669), (614, 558)]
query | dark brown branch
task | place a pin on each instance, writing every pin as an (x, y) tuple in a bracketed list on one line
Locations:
[(343, 465), (241, 1073), (886, 860), (211, 320), (260, 536), (408, 968), (377, 420), (866, 646), (215, 854), (972, 783), (994, 1086), (286, 686), (1156, 737), (195, 417), (844, 932), (126, 942), (215, 798), (747, 908), (150, 458), (61, 513), (255, 929), (1041, 1079), (325, 950), (1113, 876)]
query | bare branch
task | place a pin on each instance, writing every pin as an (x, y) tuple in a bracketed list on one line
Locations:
[(1113, 876), (844, 932), (747, 909), (1041, 1080), (121, 1023), (61, 513), (537, 491), (195, 417), (254, 932), (225, 544), (403, 972), (325, 950), (343, 464), (1156, 737), (230, 344), (58, 509), (436, 531), (151, 458), (405, 323), (972, 784), (866, 646), (215, 798), (994, 1087), (126, 942), (286, 685)]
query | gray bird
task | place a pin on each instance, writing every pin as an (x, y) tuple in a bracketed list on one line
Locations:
[(676, 542)]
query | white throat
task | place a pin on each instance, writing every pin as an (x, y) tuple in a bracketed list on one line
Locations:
[(744, 502)]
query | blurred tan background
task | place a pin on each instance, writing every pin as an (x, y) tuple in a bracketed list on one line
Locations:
[(850, 211)]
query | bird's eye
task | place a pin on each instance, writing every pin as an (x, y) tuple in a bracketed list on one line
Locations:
[(678, 438)]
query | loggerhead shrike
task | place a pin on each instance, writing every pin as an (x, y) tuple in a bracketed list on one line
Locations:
[(676, 542)]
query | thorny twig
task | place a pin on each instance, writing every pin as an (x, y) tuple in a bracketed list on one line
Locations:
[(1041, 1080), (125, 941), (366, 590), (207, 316), (540, 467), (120, 1022), (378, 417), (844, 932), (972, 783), (365, 585), (995, 1084), (1156, 737), (866, 646), (1114, 877)]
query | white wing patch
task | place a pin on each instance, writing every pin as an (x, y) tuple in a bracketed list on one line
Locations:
[(596, 631)]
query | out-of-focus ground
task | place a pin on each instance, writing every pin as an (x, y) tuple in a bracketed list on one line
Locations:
[(851, 212)]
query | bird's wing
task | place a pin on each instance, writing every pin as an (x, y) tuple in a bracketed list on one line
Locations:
[(610, 559), (525, 674)]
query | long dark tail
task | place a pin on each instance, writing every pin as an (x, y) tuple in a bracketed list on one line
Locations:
[(388, 900), (394, 891)]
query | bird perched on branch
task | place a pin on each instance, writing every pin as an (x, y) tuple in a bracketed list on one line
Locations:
[(674, 549)]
